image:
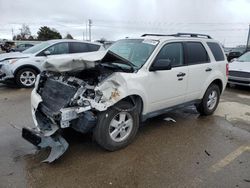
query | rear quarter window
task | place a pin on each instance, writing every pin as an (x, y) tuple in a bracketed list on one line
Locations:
[(93, 47), (78, 47), (196, 53), (216, 51)]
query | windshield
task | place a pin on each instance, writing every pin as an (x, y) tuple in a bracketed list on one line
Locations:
[(245, 57), (136, 51), (37, 47)]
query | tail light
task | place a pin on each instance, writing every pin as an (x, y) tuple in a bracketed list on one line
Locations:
[(227, 70)]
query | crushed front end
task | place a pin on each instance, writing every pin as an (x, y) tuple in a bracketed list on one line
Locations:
[(62, 100)]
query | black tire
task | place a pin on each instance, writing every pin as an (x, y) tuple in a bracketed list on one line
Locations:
[(102, 129), (203, 108), (20, 82)]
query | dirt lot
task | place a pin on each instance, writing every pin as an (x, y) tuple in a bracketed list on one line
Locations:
[(193, 152)]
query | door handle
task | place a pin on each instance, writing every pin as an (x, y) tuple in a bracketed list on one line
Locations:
[(208, 69), (181, 74)]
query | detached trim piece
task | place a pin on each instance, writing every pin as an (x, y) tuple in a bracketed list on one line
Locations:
[(56, 142)]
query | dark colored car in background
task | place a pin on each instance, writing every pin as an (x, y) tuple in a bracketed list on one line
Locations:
[(21, 47), (235, 53)]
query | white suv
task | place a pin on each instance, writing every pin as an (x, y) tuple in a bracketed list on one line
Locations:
[(110, 93)]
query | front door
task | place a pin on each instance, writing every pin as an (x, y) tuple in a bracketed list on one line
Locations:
[(168, 87)]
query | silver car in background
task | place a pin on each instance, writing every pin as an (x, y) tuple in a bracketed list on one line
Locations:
[(23, 67)]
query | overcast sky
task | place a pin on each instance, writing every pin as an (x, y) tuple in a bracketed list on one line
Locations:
[(225, 20)]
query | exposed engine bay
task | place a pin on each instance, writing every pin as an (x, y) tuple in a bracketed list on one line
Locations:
[(71, 99)]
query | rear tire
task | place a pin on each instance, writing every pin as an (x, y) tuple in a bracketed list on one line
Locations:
[(117, 126), (26, 77), (210, 100)]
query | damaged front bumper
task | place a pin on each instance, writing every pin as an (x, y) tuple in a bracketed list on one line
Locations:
[(56, 142), (59, 102), (48, 125)]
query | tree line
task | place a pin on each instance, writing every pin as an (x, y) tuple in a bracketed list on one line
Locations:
[(44, 33)]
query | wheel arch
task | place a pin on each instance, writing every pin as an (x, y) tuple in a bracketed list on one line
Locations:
[(216, 80), (136, 100), (219, 83), (27, 66)]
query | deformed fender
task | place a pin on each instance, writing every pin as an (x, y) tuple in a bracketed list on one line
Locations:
[(115, 88)]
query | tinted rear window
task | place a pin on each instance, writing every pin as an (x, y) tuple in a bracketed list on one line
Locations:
[(93, 47), (216, 50), (77, 47), (196, 53)]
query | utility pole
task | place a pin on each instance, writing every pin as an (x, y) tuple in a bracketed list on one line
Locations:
[(86, 31), (90, 24), (248, 40), (12, 32)]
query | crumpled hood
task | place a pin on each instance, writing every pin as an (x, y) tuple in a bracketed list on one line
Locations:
[(73, 62), (239, 66), (13, 55), (78, 62)]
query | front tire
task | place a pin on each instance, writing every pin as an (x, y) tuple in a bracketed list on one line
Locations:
[(26, 77), (117, 126), (210, 100)]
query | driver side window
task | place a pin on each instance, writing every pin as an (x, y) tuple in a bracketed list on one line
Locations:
[(173, 53)]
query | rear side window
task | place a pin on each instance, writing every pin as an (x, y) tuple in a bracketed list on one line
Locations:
[(93, 47), (216, 50), (77, 47), (196, 53)]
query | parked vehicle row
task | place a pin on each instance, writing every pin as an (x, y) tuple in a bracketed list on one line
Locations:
[(24, 67)]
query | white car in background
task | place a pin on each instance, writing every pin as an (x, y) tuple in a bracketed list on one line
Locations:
[(24, 67), (239, 71)]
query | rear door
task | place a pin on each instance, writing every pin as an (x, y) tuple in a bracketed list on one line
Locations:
[(199, 66)]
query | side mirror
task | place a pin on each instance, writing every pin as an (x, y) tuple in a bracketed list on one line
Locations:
[(46, 53), (161, 64)]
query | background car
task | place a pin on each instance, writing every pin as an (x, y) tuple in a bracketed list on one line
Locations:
[(23, 67), (236, 52), (239, 71), (21, 47)]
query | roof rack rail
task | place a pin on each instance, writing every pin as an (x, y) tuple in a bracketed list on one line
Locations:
[(158, 35), (180, 35)]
